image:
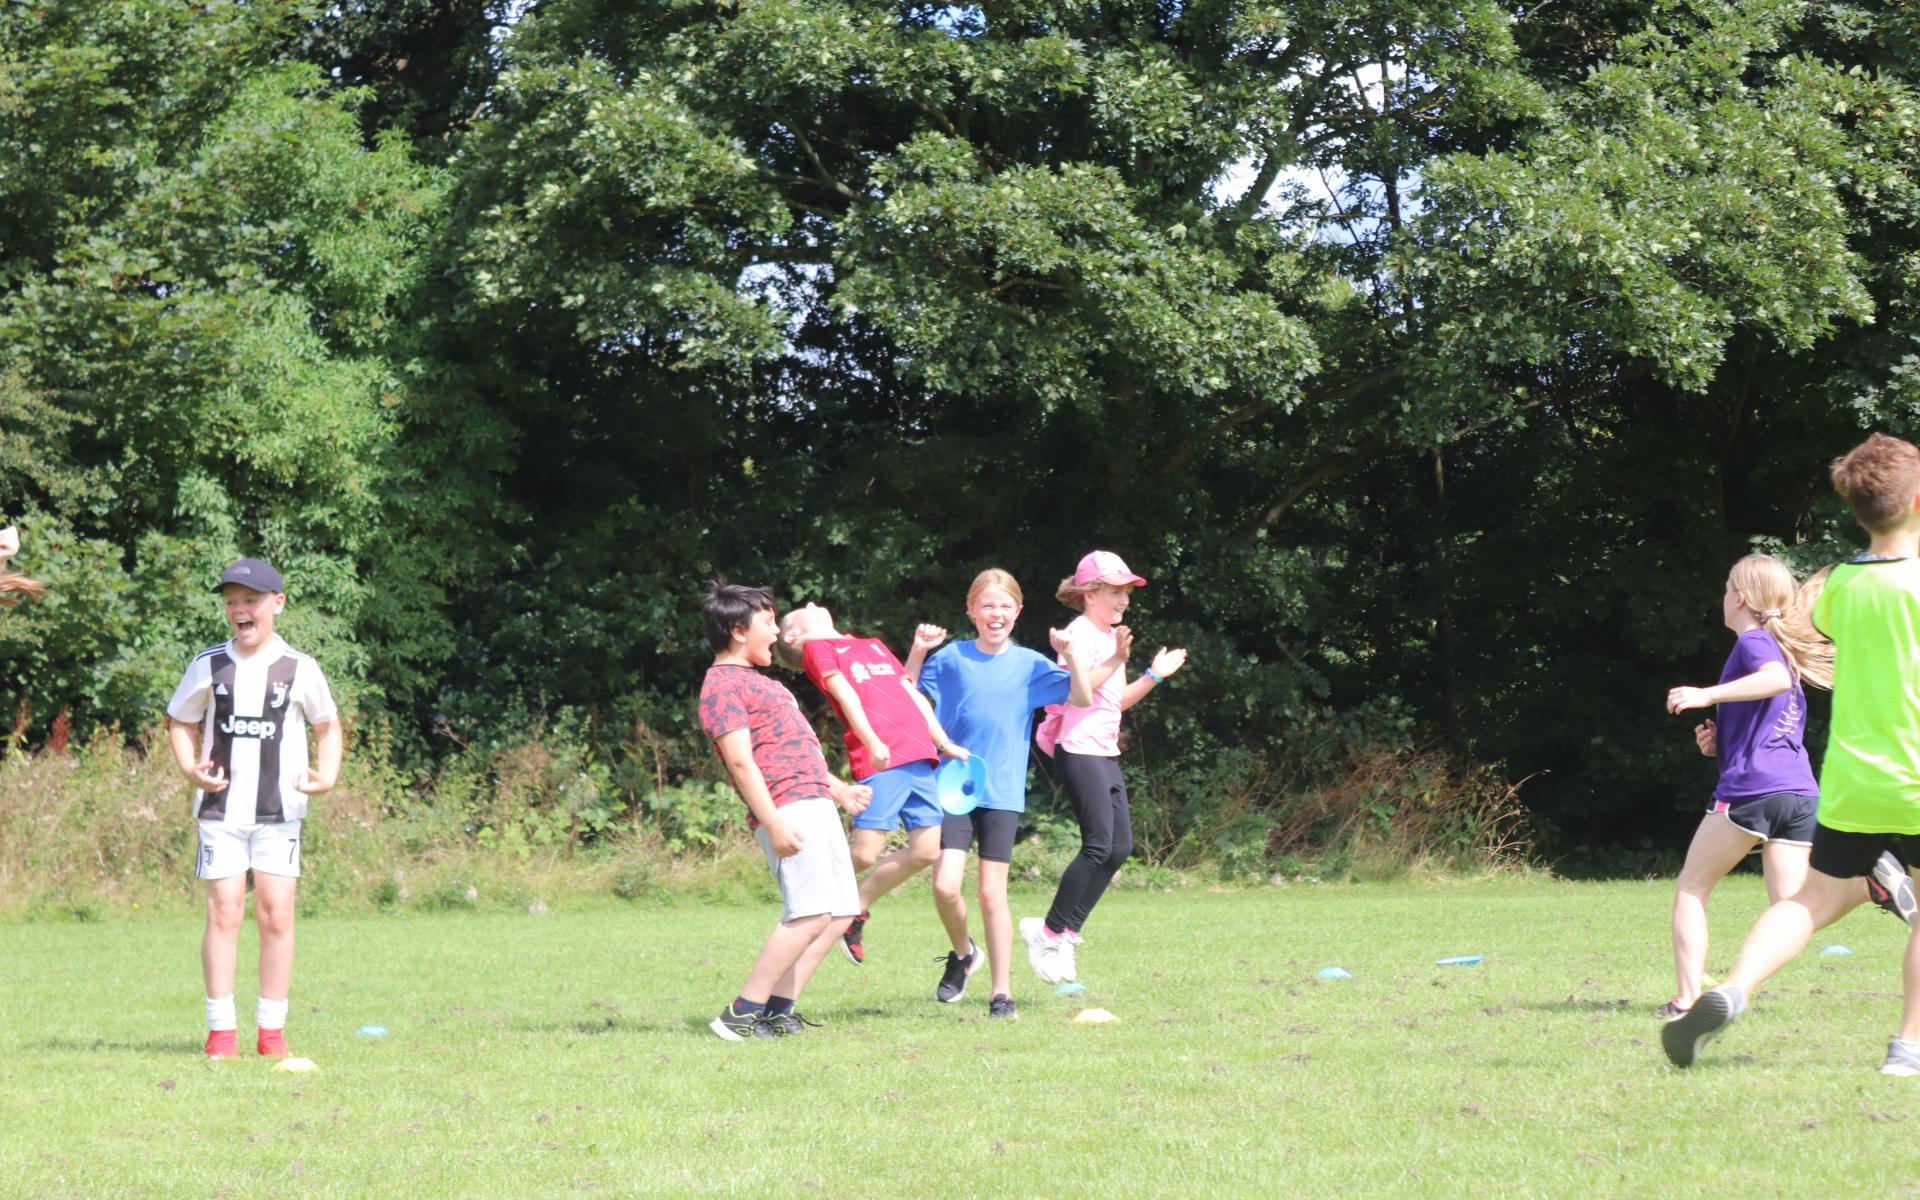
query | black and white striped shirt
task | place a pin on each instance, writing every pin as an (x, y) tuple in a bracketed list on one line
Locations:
[(253, 713)]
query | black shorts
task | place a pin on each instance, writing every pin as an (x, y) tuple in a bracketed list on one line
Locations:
[(992, 827), (1781, 817), (1846, 855)]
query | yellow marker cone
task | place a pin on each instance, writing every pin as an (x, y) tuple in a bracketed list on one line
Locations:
[(296, 1065), (1093, 1016)]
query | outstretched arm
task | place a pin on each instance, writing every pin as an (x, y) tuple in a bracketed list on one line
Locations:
[(1769, 681), (1165, 663)]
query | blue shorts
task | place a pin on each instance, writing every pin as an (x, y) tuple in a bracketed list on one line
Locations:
[(902, 795)]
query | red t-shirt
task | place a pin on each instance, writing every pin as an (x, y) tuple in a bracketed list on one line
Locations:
[(879, 681), (784, 746)]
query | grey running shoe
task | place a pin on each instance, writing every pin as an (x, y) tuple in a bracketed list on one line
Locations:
[(791, 1022), (1891, 888), (1683, 1036), (953, 980), (740, 1027), (1002, 1006), (1903, 1058)]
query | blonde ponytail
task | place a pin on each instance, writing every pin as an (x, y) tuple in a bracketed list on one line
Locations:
[(14, 585), (1785, 611)]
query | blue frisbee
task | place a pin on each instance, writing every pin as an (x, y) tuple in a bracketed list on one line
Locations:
[(961, 785)]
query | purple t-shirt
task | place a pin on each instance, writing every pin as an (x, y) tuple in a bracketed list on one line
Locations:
[(1760, 741)]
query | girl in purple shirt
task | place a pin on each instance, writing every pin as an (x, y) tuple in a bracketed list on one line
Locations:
[(1766, 796)]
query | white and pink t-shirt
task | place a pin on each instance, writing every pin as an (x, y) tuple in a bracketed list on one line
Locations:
[(1096, 728)]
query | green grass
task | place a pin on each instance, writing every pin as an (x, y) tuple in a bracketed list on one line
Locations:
[(567, 1055)]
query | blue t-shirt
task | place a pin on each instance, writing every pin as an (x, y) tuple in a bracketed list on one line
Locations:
[(1760, 741), (986, 703)]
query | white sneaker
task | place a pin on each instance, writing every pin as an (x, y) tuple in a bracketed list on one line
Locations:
[(1063, 956), (1042, 951)]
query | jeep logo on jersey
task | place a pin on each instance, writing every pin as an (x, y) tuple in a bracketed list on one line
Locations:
[(265, 728)]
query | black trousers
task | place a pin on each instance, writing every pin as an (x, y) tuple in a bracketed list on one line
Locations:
[(1099, 795)]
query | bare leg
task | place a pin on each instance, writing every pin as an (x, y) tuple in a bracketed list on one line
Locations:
[(922, 848), (784, 949), (794, 981), (949, 893), (866, 846), (220, 944), (1782, 931), (273, 914), (1910, 1004), (997, 919), (1718, 846)]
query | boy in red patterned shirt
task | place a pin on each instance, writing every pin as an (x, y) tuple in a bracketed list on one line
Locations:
[(773, 760)]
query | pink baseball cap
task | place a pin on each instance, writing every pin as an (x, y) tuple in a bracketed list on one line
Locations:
[(1104, 566)]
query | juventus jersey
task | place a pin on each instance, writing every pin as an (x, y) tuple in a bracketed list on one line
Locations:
[(253, 715)]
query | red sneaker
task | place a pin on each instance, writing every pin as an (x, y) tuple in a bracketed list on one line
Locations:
[(273, 1044), (850, 941), (223, 1043)]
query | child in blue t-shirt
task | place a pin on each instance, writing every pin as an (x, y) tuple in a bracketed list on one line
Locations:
[(984, 693)]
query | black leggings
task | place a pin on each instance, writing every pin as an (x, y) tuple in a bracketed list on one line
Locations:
[(1099, 796)]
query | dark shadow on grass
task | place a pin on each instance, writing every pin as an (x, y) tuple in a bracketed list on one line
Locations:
[(1571, 1005), (103, 1046), (590, 1028)]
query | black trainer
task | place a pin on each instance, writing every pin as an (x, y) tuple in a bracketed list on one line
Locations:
[(850, 941), (1002, 1006), (953, 980), (791, 1022), (1891, 887), (740, 1027), (1683, 1036)]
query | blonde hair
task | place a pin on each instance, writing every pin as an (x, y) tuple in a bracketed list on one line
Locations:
[(995, 577), (1785, 610), (1071, 594), (14, 585)]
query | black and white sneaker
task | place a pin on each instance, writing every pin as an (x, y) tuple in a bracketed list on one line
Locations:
[(1683, 1036), (1891, 888), (791, 1022), (1002, 1007), (953, 980), (739, 1026)]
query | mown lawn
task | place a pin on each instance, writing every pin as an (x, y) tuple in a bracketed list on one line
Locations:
[(567, 1054)]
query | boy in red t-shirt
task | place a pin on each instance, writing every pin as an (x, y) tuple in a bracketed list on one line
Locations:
[(893, 742), (774, 762)]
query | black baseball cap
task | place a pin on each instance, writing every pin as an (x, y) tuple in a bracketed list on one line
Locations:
[(256, 573)]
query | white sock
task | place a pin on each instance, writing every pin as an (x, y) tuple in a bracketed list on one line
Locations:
[(269, 1014), (220, 1014)]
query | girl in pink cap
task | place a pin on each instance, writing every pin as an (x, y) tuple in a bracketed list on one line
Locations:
[(1085, 743)]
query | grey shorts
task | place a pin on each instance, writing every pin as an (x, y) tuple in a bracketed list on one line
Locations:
[(819, 879)]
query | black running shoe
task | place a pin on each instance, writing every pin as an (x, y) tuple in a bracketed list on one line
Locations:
[(1683, 1036), (740, 1027), (850, 941), (1002, 1006), (791, 1022), (953, 980), (1891, 888)]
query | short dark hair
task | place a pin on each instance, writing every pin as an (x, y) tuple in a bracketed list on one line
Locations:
[(729, 607)]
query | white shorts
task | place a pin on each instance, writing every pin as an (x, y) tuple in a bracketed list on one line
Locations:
[(819, 879), (270, 848)]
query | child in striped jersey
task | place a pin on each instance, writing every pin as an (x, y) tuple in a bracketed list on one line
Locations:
[(238, 726)]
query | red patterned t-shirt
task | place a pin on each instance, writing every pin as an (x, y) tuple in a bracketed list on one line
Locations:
[(879, 683), (784, 746)]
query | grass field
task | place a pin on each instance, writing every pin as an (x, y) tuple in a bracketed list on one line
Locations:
[(566, 1054)]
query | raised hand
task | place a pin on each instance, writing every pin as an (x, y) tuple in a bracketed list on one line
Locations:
[(928, 637), (1122, 642), (9, 543), (1166, 662)]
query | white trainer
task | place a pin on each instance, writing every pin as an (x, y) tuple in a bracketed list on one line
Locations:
[(1043, 952)]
